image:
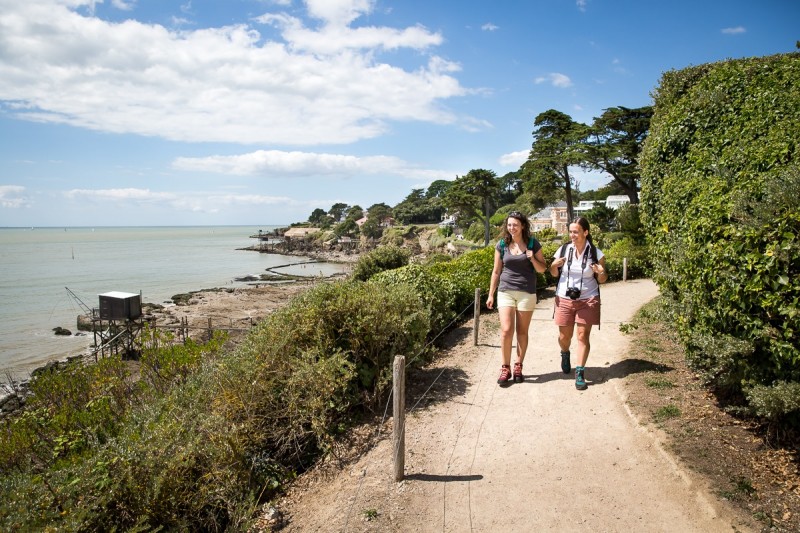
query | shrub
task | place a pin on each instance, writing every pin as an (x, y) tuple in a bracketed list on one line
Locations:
[(546, 234), (721, 208), (776, 401), (475, 232), (638, 259), (380, 259)]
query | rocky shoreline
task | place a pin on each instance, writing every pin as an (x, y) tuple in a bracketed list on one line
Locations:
[(234, 310)]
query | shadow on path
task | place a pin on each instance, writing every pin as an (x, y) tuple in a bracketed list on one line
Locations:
[(443, 479), (596, 375)]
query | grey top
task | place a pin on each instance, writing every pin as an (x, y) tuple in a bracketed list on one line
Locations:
[(518, 273)]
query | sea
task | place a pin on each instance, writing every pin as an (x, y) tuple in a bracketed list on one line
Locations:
[(48, 276)]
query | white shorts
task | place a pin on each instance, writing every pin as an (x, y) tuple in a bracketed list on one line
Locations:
[(521, 300)]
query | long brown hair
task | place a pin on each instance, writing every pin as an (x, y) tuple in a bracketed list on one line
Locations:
[(526, 228)]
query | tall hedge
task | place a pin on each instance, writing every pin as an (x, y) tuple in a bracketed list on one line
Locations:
[(721, 205)]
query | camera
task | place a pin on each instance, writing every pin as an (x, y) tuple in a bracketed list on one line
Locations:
[(573, 293)]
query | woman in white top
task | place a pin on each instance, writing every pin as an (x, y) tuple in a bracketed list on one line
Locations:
[(580, 267)]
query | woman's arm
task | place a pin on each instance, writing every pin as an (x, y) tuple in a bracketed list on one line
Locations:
[(496, 270), (539, 264)]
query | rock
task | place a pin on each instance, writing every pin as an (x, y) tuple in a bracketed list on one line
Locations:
[(84, 323), (62, 331)]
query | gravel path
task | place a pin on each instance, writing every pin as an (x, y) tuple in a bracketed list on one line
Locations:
[(536, 456)]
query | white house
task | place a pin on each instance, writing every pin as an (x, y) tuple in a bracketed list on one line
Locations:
[(586, 205), (615, 201)]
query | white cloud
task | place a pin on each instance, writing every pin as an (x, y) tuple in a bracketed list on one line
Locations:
[(198, 201), (489, 27), (581, 4), (514, 159), (280, 164), (226, 84), (11, 196), (123, 4), (734, 31), (128, 194), (555, 79), (339, 12)]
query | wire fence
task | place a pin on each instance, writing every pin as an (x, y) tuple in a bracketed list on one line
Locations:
[(401, 429)]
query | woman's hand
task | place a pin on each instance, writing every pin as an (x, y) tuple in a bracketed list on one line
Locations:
[(490, 301), (600, 270)]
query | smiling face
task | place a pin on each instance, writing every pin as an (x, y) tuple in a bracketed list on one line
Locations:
[(577, 234), (514, 226)]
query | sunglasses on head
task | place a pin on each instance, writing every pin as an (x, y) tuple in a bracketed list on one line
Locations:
[(516, 214)]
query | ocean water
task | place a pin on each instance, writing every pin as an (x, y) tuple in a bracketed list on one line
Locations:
[(37, 265)]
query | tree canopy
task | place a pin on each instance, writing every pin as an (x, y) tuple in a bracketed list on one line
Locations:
[(614, 144), (472, 197), (558, 143)]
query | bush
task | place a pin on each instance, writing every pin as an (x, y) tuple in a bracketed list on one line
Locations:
[(475, 232), (207, 436), (546, 235), (721, 208), (380, 259), (637, 255), (775, 402)]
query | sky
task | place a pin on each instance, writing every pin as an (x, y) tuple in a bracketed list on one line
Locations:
[(257, 112)]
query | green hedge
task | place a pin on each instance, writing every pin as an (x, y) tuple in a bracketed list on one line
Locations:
[(721, 206)]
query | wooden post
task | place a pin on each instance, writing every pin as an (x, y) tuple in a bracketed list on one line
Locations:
[(399, 413), (477, 316), (624, 269)]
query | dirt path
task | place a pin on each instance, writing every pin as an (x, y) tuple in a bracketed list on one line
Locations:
[(536, 456)]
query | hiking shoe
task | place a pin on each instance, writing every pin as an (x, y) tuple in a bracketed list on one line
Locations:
[(565, 366), (518, 377), (580, 383), (505, 375)]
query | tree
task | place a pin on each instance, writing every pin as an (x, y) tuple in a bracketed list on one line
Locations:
[(371, 229), (417, 208), (438, 188), (355, 212), (472, 197), (318, 216), (510, 187), (348, 227), (337, 210), (614, 144), (557, 145), (602, 216), (379, 213)]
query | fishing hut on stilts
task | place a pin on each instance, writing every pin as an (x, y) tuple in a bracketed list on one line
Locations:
[(117, 323)]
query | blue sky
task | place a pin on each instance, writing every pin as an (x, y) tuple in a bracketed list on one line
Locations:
[(256, 112)]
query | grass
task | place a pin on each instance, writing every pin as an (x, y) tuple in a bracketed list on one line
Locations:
[(659, 383), (666, 412)]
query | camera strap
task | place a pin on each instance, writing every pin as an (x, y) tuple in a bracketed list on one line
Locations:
[(583, 262)]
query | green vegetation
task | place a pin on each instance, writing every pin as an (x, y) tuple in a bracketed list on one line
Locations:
[(721, 206), (666, 412), (206, 434)]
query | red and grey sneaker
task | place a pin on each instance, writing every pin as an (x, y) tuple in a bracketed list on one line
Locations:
[(518, 377), (505, 375)]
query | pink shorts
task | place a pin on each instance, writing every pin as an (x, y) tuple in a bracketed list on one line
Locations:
[(569, 312)]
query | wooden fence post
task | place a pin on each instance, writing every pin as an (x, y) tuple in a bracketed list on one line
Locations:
[(477, 316), (399, 413), (624, 269)]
